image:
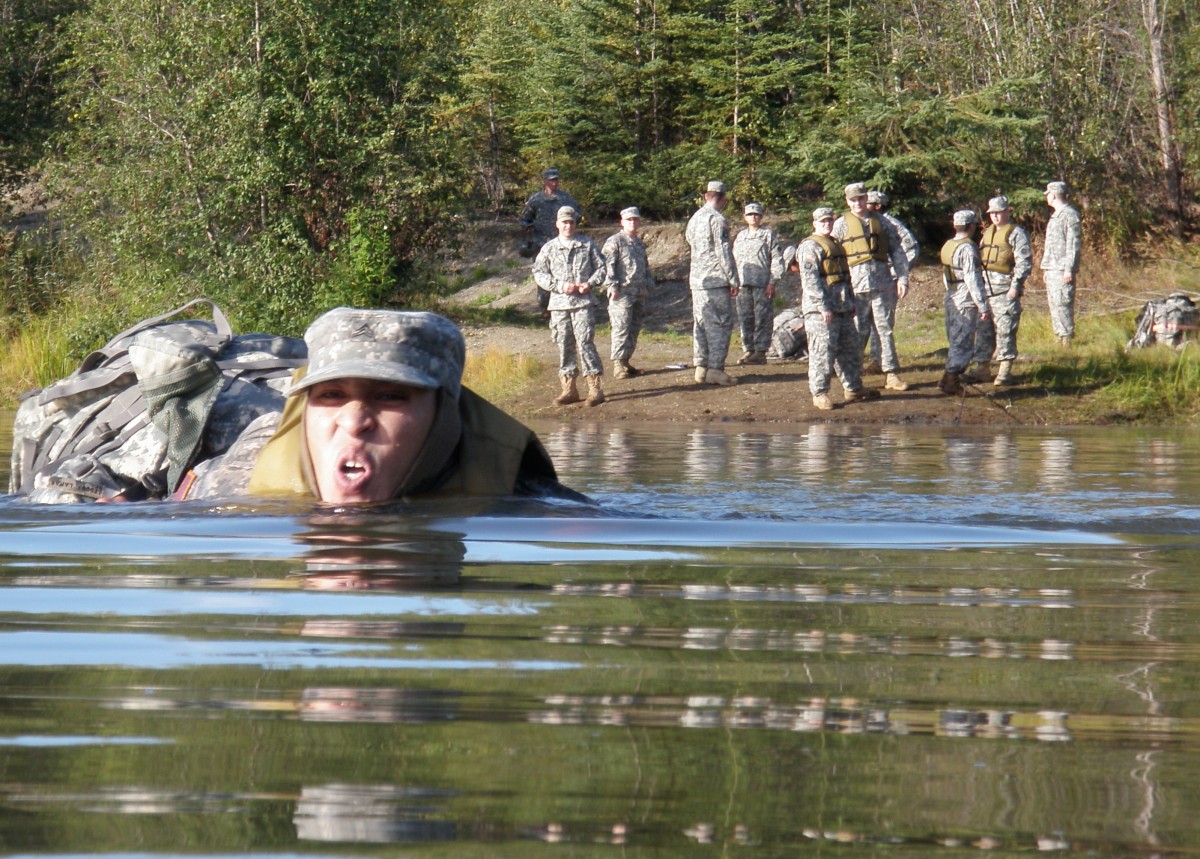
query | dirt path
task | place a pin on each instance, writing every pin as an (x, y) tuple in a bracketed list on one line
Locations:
[(777, 392)]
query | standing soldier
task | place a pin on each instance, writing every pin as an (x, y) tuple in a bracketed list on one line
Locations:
[(539, 215), (629, 282), (1007, 260), (714, 283), (878, 202), (827, 300), (1060, 261), (570, 268), (759, 260), (966, 300), (874, 252)]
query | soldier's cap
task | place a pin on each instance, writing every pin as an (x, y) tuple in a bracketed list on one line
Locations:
[(879, 197), (753, 209), (855, 189), (1057, 188), (550, 173), (631, 212), (414, 348), (566, 213), (823, 213), (964, 217), (998, 204), (716, 186)]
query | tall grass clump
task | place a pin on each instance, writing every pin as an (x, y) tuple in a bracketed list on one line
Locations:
[(38, 352), (498, 375)]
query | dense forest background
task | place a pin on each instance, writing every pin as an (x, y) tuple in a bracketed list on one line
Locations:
[(283, 157)]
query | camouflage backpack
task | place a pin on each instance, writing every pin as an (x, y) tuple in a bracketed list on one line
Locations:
[(139, 411), (1171, 321)]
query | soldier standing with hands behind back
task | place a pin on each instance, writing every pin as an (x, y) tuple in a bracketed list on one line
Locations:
[(966, 300), (629, 282), (714, 284), (759, 262), (1060, 261), (538, 218)]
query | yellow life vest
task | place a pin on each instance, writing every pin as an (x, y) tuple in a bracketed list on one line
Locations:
[(947, 257), (864, 241), (995, 252), (833, 265)]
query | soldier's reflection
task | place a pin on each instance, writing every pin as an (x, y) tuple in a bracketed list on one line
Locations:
[(360, 554)]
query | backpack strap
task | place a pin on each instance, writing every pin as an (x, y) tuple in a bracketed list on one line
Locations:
[(110, 349)]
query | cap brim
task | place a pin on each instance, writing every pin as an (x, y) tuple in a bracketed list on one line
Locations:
[(379, 371)]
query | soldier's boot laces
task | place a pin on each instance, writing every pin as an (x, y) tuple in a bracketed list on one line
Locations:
[(893, 382), (1004, 375), (862, 394), (701, 375), (595, 391), (719, 377), (949, 385), (822, 402), (570, 393)]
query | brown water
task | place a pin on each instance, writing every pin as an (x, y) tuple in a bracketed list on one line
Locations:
[(826, 641)]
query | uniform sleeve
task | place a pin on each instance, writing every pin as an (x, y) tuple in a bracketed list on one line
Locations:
[(542, 274), (1073, 235), (812, 282), (724, 251), (614, 269), (776, 258), (1018, 240), (599, 268), (895, 248), (529, 213), (972, 274)]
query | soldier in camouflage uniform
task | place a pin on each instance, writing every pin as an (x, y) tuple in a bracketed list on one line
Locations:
[(571, 268), (878, 202), (629, 281), (879, 273), (714, 284), (827, 299), (1007, 260), (538, 218), (966, 300), (759, 260), (380, 413), (1060, 261)]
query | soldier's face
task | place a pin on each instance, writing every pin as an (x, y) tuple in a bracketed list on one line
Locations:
[(858, 205), (1000, 218), (754, 219), (630, 225), (823, 227), (363, 436), (551, 186), (566, 229)]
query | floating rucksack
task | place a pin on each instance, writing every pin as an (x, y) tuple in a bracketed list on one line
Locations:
[(788, 337), (1171, 321), (139, 411)]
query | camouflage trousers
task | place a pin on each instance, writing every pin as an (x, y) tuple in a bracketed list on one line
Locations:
[(876, 314), (997, 338), (574, 334), (626, 314), (835, 346), (712, 327), (1061, 298), (756, 313), (960, 334)]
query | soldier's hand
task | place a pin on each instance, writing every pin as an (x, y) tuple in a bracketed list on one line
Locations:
[(827, 316), (584, 288), (901, 289), (770, 291), (613, 292), (733, 291), (1013, 295)]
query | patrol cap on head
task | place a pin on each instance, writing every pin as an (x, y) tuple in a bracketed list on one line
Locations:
[(753, 209), (964, 217), (1057, 188), (823, 213), (407, 347), (998, 204), (879, 197), (566, 213), (550, 173), (716, 186), (855, 189), (631, 212)]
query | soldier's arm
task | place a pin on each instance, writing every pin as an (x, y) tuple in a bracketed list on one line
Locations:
[(972, 273), (543, 274), (599, 267), (1018, 240), (896, 251)]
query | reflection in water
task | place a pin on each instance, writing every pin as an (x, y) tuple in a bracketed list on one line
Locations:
[(372, 814)]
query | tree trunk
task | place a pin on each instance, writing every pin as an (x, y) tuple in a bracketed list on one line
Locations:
[(1152, 19)]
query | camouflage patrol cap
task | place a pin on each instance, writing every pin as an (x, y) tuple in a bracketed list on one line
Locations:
[(965, 217), (1057, 188), (407, 347), (566, 213), (753, 209), (879, 197), (823, 213), (716, 186), (855, 189), (631, 212), (550, 173), (998, 204)]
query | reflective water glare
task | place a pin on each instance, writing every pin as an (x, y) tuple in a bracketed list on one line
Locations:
[(763, 641)]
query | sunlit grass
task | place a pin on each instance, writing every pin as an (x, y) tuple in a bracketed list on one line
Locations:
[(36, 354), (498, 375)]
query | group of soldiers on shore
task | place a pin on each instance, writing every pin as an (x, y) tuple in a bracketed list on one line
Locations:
[(853, 270)]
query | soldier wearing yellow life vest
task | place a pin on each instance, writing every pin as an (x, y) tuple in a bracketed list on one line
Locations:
[(966, 301), (1007, 260), (874, 251)]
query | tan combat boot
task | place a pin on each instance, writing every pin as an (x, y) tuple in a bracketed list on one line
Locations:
[(893, 382), (570, 393), (757, 358), (630, 370), (701, 375), (620, 369), (862, 394), (1004, 375), (949, 385), (719, 377), (822, 402), (746, 358), (595, 392), (981, 373)]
